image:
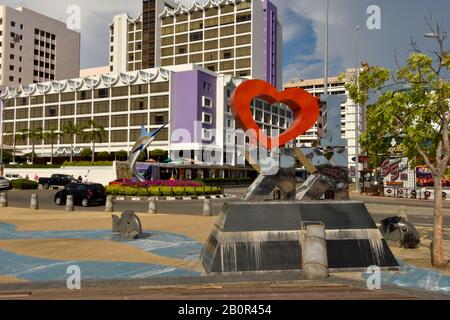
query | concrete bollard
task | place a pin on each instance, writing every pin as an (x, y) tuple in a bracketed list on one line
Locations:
[(315, 255), (69, 204), (403, 212), (207, 210), (152, 206), (34, 204), (109, 206), (3, 200)]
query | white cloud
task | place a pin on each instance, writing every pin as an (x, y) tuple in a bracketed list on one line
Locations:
[(401, 19)]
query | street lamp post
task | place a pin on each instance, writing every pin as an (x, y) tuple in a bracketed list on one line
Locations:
[(357, 107), (327, 11), (2, 167)]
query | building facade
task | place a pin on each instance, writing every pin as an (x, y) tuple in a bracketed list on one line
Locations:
[(241, 38), (35, 48), (194, 100), (335, 86)]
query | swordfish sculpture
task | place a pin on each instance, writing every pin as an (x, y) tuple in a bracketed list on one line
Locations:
[(141, 145)]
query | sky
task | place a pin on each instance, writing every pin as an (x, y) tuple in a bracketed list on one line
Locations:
[(303, 30)]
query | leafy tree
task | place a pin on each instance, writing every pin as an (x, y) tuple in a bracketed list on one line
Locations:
[(7, 156), (86, 154), (121, 155), (72, 130), (103, 155), (158, 154), (143, 156), (94, 132), (52, 135), (419, 113), (22, 136)]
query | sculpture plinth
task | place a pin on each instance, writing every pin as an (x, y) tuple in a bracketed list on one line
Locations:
[(254, 237)]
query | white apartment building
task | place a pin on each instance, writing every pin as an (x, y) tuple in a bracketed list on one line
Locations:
[(35, 48), (241, 38), (348, 108), (125, 43)]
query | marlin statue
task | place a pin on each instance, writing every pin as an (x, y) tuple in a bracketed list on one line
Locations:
[(141, 145)]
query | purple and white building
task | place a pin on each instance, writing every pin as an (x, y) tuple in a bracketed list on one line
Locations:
[(194, 100)]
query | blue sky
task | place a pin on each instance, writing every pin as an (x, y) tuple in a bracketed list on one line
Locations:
[(303, 30)]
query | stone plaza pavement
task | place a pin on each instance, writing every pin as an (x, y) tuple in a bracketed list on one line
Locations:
[(37, 247)]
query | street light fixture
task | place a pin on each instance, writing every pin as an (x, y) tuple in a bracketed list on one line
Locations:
[(327, 11), (435, 35), (357, 107)]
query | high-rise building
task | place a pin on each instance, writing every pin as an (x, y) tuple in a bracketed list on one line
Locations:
[(35, 48), (348, 108), (241, 38)]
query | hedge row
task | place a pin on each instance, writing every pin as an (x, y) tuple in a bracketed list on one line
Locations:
[(32, 166), (24, 184), (163, 191), (88, 164), (229, 181)]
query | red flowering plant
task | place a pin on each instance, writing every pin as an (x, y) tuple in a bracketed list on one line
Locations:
[(162, 183)]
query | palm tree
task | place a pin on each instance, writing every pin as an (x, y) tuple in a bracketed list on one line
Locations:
[(73, 130), (52, 135), (94, 132), (22, 135), (15, 136), (35, 135)]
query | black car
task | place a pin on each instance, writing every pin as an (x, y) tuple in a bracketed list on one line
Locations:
[(84, 194), (56, 180)]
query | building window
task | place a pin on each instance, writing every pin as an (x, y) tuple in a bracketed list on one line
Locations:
[(101, 93), (207, 118), (207, 102), (119, 106), (206, 135)]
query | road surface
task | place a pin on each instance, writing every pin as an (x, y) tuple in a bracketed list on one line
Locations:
[(420, 212)]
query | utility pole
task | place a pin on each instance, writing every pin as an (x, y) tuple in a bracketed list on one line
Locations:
[(327, 11), (357, 107)]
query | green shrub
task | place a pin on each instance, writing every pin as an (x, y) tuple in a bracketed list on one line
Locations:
[(121, 155), (88, 164), (86, 154), (163, 191), (33, 166), (24, 184)]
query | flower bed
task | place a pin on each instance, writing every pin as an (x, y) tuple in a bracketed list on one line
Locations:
[(163, 183), (161, 191)]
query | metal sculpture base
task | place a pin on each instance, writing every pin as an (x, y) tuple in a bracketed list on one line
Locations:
[(257, 237)]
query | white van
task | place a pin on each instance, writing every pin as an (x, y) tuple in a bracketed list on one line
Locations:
[(13, 176)]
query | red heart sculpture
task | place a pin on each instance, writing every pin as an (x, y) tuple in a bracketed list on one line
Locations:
[(304, 106)]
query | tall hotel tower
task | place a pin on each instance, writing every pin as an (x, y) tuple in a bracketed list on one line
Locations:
[(241, 38)]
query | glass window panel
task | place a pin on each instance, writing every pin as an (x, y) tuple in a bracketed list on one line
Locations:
[(119, 105)]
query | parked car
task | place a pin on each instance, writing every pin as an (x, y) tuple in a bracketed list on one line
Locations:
[(119, 182), (56, 180), (13, 176), (84, 194), (4, 183)]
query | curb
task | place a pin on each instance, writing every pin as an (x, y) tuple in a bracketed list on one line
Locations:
[(226, 196)]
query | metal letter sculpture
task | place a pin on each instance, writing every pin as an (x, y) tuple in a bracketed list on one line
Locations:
[(140, 146), (269, 236)]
